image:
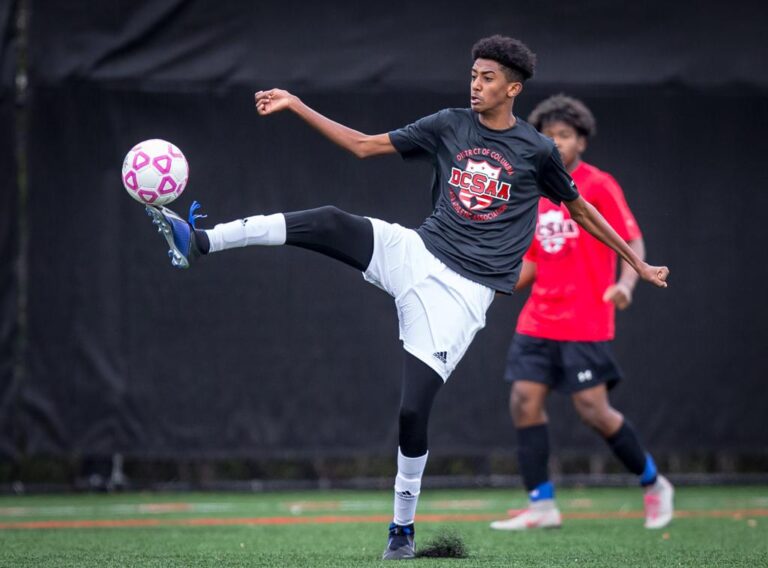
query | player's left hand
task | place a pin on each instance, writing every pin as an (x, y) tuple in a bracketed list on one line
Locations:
[(619, 294), (656, 275)]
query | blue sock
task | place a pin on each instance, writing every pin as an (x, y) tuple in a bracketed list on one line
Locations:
[(649, 473), (543, 491)]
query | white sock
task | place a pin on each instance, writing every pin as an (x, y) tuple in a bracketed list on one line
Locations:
[(256, 230), (408, 486)]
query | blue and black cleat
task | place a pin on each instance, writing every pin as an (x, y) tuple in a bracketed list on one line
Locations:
[(178, 232)]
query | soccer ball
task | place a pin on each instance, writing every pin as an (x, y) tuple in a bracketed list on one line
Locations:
[(155, 172)]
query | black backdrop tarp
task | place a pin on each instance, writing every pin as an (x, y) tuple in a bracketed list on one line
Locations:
[(8, 233), (281, 352), (395, 46)]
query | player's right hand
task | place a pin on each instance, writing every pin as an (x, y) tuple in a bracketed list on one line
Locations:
[(273, 100)]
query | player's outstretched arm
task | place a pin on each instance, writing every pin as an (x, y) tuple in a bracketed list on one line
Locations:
[(593, 222), (361, 145)]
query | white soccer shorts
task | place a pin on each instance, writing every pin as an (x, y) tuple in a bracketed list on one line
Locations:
[(439, 310)]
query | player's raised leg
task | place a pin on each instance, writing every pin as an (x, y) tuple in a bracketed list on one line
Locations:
[(328, 230)]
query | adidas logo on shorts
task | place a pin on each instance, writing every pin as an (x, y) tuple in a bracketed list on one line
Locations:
[(441, 355)]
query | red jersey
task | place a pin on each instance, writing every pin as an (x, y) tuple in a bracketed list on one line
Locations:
[(574, 269)]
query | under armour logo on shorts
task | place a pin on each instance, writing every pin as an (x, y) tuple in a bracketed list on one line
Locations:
[(584, 376)]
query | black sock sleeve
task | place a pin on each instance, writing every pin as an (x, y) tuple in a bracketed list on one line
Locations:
[(332, 232), (626, 446), (420, 386), (533, 455)]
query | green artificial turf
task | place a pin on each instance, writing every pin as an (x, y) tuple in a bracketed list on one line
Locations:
[(717, 526)]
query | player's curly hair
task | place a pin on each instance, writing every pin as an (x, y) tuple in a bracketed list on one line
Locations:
[(519, 61), (562, 108)]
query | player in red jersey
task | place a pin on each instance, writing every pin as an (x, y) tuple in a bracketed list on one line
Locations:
[(564, 332)]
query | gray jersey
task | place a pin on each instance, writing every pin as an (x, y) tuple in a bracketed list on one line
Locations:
[(486, 190)]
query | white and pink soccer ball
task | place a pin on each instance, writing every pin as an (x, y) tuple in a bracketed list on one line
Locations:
[(155, 172)]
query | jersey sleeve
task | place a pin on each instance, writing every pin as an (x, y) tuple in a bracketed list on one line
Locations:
[(554, 181), (419, 140), (613, 206)]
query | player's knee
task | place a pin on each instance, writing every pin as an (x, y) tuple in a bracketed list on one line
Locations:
[(596, 414), (324, 220), (523, 406), (329, 218)]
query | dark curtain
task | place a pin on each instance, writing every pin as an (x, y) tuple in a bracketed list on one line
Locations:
[(9, 234), (268, 351)]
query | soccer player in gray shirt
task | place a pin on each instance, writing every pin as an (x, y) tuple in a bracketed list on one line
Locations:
[(491, 168)]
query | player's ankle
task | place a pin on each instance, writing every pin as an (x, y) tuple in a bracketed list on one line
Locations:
[(202, 241), (542, 492)]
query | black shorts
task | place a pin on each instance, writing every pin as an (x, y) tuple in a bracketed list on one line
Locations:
[(566, 366)]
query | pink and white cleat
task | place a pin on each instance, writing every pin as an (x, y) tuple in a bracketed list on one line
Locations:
[(658, 501), (542, 514)]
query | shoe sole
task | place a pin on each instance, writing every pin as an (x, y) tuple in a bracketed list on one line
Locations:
[(402, 553), (164, 227), (660, 525)]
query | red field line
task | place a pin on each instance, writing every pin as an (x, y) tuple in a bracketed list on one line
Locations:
[(331, 519)]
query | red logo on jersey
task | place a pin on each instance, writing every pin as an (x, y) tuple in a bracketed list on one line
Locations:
[(554, 229), (479, 185)]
